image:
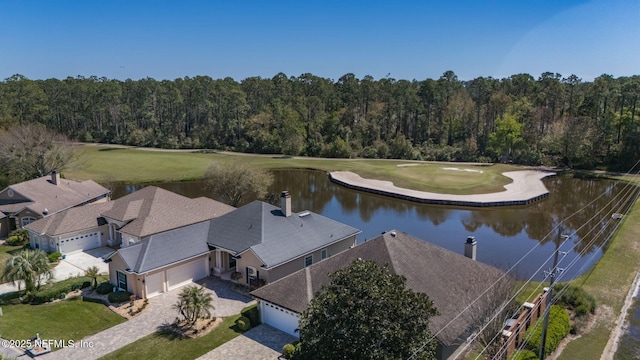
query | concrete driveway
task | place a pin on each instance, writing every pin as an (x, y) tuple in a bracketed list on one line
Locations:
[(75, 264)]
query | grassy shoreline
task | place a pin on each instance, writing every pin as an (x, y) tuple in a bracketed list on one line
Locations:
[(132, 165)]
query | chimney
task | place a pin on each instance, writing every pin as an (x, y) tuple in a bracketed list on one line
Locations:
[(470, 247), (55, 177), (285, 203)]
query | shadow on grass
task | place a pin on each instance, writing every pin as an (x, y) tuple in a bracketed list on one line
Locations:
[(11, 298), (169, 332), (112, 149)]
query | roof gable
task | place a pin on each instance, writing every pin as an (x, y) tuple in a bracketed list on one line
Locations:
[(450, 280), (166, 248), (45, 195), (274, 238), (152, 210)]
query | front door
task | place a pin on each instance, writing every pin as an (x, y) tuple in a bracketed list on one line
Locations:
[(122, 280), (232, 263)]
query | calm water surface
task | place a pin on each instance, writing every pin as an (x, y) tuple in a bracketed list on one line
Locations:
[(504, 234)]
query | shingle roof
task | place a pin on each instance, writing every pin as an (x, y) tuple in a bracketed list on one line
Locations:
[(46, 195), (451, 280), (166, 248), (274, 238), (74, 219), (152, 210)]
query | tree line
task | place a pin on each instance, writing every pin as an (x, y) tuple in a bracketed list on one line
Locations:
[(552, 120)]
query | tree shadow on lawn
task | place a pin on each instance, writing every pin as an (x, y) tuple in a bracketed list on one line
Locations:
[(170, 331)]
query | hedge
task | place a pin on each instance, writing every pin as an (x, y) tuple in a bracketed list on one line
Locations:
[(104, 288), (243, 323), (54, 256), (58, 290), (253, 314), (119, 296), (524, 355), (559, 327)]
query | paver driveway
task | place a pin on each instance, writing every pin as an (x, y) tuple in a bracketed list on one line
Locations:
[(260, 343), (226, 301)]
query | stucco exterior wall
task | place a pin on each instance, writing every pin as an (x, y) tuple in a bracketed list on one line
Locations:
[(248, 258)]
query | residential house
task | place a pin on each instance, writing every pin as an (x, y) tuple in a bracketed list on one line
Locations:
[(258, 242), (28, 201), (121, 222), (263, 243), (452, 281)]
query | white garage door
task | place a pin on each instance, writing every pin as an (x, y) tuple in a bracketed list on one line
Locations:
[(279, 318), (80, 243), (183, 274), (155, 284)]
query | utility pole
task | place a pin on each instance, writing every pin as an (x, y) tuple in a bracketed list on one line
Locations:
[(552, 277)]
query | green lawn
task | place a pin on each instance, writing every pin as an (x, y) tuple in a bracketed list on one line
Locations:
[(64, 320), (609, 282), (130, 165), (161, 345)]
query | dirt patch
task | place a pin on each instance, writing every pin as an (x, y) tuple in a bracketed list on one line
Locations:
[(125, 309), (201, 328), (129, 309)]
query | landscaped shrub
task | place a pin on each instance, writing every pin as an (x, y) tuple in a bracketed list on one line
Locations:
[(576, 299), (54, 256), (104, 288), (119, 296), (15, 241), (253, 314), (18, 237), (559, 327), (243, 323), (288, 350), (524, 355), (58, 290)]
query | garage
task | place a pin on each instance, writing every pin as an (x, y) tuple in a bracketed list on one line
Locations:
[(279, 318), (154, 284), (186, 273), (79, 243)]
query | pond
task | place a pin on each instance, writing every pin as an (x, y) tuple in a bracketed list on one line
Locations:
[(523, 237)]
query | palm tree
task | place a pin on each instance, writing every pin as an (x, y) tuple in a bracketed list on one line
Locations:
[(193, 303), (93, 273), (30, 266)]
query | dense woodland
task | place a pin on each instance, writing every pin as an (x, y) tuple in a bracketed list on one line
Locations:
[(552, 120)]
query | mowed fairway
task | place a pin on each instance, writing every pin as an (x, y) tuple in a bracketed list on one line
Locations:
[(135, 165)]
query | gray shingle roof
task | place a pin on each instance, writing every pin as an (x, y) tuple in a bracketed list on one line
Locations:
[(46, 195), (166, 248), (274, 238), (152, 210), (451, 280)]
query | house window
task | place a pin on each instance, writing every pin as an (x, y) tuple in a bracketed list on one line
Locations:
[(27, 220), (308, 260), (323, 254), (232, 263), (122, 280)]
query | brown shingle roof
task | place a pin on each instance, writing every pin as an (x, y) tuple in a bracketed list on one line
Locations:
[(152, 210), (451, 280), (46, 195), (74, 219)]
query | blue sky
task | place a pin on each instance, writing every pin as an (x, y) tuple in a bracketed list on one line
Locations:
[(238, 39)]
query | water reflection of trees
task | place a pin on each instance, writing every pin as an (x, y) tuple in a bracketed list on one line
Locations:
[(569, 199)]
